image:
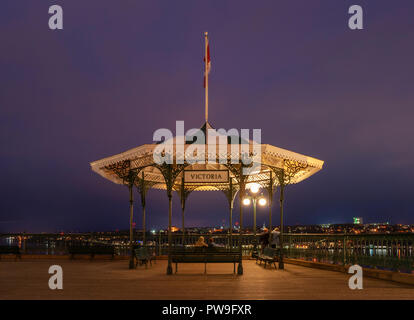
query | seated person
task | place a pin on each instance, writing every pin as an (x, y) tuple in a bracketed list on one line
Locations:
[(212, 244), (275, 235), (264, 239), (200, 242)]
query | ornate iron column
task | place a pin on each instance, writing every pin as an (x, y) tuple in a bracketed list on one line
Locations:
[(169, 194), (282, 197), (170, 173), (285, 175), (182, 197), (131, 235), (143, 186), (183, 192), (270, 194), (143, 194), (237, 171), (131, 179), (230, 194), (281, 176), (254, 253), (128, 176), (242, 183), (230, 199)]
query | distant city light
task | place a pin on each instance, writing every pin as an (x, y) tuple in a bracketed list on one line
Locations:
[(357, 220)]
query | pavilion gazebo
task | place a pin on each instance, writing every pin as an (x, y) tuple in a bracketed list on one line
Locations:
[(137, 168), (275, 169)]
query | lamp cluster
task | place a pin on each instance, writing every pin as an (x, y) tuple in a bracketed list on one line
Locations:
[(254, 189)]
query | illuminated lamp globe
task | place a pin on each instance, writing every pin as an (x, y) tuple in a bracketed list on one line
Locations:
[(262, 201), (246, 201), (254, 188)]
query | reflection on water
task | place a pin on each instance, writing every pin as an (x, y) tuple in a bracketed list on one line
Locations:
[(59, 244), (50, 247)]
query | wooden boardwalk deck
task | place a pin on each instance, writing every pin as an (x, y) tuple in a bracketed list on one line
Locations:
[(113, 280)]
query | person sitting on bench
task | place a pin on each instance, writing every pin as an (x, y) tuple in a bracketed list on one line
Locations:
[(264, 239), (212, 244), (200, 242), (275, 238)]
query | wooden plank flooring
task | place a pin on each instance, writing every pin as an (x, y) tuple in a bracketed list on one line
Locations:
[(113, 280)]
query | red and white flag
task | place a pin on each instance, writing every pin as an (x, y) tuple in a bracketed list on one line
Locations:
[(207, 60)]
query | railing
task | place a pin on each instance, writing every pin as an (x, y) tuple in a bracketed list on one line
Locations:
[(160, 241), (382, 251), (58, 244)]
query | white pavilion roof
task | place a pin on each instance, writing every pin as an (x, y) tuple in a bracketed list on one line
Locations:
[(142, 157)]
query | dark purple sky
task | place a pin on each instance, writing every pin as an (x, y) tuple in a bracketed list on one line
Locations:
[(121, 69)]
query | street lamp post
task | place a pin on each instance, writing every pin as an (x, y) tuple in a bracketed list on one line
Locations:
[(254, 189)]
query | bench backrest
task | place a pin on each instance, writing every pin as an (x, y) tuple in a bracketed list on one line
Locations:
[(214, 254), (203, 250), (206, 257)]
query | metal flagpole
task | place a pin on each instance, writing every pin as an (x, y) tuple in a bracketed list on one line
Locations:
[(206, 74)]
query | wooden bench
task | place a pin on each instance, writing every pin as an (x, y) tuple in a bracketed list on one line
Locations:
[(143, 256), (269, 255), (91, 250), (206, 255), (10, 250)]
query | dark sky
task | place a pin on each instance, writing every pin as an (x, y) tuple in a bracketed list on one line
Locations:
[(122, 69)]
